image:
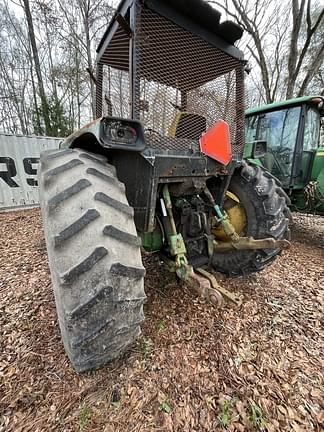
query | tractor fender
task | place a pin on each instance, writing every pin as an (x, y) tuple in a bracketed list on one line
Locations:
[(104, 132), (90, 131)]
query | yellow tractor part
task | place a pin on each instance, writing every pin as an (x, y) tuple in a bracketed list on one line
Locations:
[(236, 214), (174, 124)]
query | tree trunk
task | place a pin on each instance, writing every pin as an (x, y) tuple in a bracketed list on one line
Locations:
[(90, 66), (31, 34), (297, 13)]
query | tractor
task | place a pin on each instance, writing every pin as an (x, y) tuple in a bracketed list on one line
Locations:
[(290, 132), (161, 168)]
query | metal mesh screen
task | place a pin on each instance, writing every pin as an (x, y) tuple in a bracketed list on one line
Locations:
[(179, 72), (113, 83), (116, 93)]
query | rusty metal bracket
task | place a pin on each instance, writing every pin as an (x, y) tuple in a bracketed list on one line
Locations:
[(204, 283), (216, 287), (250, 243), (204, 289)]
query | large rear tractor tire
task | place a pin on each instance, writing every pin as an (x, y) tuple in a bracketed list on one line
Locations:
[(94, 256), (261, 211)]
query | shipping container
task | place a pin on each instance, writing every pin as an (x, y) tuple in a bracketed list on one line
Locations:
[(19, 156)]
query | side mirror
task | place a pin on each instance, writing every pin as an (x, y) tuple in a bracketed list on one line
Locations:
[(259, 149)]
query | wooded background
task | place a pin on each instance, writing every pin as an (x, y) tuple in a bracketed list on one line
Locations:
[(47, 49)]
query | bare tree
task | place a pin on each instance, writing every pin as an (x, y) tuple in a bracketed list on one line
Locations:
[(14, 76), (94, 16), (267, 24), (32, 39), (45, 52), (297, 56)]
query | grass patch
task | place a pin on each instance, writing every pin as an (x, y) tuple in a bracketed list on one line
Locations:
[(225, 412), (148, 347), (85, 416), (165, 406), (161, 326), (257, 418)]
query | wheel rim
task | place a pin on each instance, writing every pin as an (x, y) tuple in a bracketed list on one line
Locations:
[(236, 214)]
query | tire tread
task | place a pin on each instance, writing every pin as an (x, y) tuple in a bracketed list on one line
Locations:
[(95, 261)]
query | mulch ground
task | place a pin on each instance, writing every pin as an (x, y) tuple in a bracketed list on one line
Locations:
[(195, 368)]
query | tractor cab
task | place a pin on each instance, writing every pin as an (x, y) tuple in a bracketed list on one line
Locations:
[(293, 133)]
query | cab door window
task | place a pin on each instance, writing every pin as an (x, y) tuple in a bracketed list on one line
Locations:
[(251, 128), (311, 141), (279, 129), (312, 129)]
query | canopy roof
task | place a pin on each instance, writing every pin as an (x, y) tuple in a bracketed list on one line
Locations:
[(182, 61)]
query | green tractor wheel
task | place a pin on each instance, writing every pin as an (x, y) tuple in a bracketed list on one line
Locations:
[(257, 207)]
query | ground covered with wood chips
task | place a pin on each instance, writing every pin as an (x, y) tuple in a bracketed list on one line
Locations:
[(195, 368)]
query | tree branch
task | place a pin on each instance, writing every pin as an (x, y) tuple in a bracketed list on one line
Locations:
[(312, 69)]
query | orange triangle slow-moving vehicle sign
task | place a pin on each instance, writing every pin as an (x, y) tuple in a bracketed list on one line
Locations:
[(216, 143)]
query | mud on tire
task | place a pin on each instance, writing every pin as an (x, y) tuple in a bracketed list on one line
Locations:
[(94, 256), (266, 205)]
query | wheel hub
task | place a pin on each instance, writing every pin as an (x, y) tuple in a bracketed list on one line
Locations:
[(236, 214)]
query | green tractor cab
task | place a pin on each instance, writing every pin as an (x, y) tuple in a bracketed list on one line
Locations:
[(294, 154)]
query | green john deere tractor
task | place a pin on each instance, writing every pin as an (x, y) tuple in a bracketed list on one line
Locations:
[(161, 167), (294, 148)]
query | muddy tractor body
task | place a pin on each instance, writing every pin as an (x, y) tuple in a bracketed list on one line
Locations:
[(160, 168), (295, 148)]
